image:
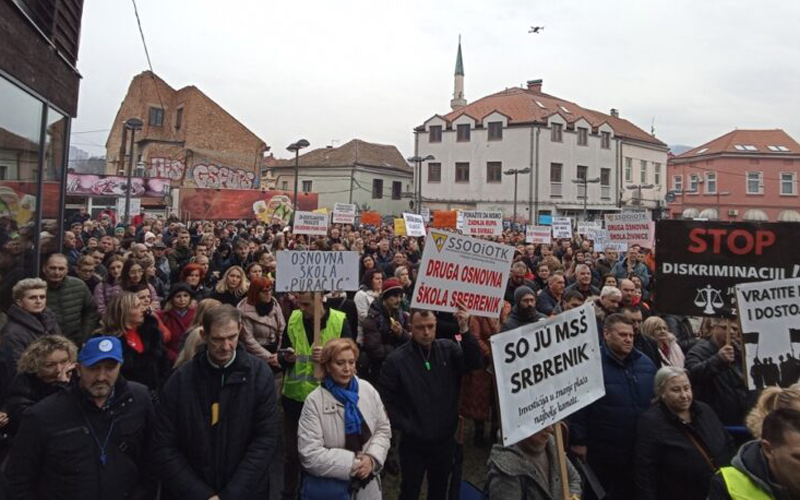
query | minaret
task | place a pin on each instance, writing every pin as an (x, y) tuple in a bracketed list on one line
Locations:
[(458, 100)]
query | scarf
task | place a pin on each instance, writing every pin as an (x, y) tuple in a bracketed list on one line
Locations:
[(349, 398)]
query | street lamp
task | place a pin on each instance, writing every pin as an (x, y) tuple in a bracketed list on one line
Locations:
[(132, 124), (585, 182), (515, 172), (295, 147), (418, 160)]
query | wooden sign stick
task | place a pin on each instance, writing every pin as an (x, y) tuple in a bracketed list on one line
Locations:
[(562, 462), (318, 374)]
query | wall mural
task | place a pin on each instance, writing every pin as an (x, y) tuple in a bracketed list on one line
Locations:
[(217, 177)]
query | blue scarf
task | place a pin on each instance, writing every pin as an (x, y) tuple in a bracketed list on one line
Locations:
[(349, 398)]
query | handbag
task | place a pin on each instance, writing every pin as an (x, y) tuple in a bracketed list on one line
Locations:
[(324, 488)]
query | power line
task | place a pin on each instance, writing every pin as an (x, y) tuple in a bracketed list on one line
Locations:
[(141, 33), (90, 131)]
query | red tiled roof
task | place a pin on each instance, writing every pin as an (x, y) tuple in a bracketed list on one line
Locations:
[(747, 140), (349, 154), (520, 105)]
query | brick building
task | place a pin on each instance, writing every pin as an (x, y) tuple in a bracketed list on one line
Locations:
[(742, 175), (186, 137)]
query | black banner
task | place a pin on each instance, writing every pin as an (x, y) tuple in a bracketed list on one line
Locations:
[(700, 262)]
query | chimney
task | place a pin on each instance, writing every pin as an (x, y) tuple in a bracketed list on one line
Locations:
[(615, 112), (535, 85)]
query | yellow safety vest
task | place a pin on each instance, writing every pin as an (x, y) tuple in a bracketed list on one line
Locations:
[(741, 487), (299, 381)]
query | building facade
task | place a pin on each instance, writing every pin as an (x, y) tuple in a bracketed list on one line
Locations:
[(372, 176), (742, 175)]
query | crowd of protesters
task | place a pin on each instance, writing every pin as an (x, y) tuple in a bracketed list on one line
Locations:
[(157, 361)]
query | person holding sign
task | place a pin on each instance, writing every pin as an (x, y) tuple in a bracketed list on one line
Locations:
[(420, 383)]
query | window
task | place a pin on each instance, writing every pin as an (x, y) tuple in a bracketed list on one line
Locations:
[(435, 133), (178, 119), (557, 132), (754, 184), (494, 171), (555, 179), (564, 109), (462, 172), (628, 169), (434, 172), (495, 131), (397, 190), (377, 189), (605, 140), (605, 183), (156, 117), (694, 181), (583, 136), (581, 174), (711, 183), (307, 186), (744, 147), (788, 184), (657, 179), (285, 185), (539, 103), (462, 132), (677, 183), (642, 172)]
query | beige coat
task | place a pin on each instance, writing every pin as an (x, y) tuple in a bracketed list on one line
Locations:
[(260, 331), (320, 436)]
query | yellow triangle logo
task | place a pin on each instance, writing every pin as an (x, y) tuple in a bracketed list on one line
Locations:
[(439, 239)]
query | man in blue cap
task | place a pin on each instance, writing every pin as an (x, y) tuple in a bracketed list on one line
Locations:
[(89, 441)]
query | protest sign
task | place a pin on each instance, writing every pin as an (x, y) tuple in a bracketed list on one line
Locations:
[(457, 269), (482, 223), (315, 271), (310, 223), (445, 219), (344, 213), (371, 218), (425, 212), (460, 220), (769, 312), (700, 262), (602, 243), (584, 227), (415, 225), (399, 227), (634, 228), (538, 234), (545, 371), (562, 227)]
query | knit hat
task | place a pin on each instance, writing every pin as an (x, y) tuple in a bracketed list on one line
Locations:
[(148, 235), (391, 287), (521, 292), (179, 287)]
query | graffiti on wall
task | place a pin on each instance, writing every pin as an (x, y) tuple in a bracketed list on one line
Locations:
[(168, 168), (217, 177)]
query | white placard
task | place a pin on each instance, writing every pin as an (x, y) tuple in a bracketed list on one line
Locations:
[(546, 371), (459, 268), (310, 223), (538, 235), (344, 213), (562, 227), (584, 227), (415, 225), (478, 223), (770, 315), (633, 228), (425, 212), (316, 271), (135, 207), (460, 220)]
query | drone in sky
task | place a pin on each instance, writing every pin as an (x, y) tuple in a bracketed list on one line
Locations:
[(536, 29)]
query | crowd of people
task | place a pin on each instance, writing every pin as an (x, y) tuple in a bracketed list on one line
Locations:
[(156, 360)]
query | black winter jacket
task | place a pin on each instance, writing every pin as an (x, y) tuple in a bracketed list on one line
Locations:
[(516, 320), (152, 367), (379, 340), (54, 455), (74, 307), (546, 302), (196, 461), (668, 464), (25, 391)]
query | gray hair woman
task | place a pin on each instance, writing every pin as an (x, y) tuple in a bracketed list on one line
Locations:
[(668, 348), (680, 442)]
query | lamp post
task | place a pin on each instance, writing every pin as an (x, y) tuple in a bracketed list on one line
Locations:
[(132, 124), (418, 160), (515, 172), (585, 182), (295, 147)]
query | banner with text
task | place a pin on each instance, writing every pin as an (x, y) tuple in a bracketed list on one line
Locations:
[(415, 225), (538, 235), (562, 227), (315, 271), (371, 219), (459, 268), (633, 228), (310, 223), (483, 223), (344, 213), (546, 371), (584, 227), (769, 312), (399, 227)]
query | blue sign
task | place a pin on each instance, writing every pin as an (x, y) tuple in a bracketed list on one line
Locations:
[(545, 220)]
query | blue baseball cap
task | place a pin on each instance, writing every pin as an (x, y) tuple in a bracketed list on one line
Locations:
[(99, 348)]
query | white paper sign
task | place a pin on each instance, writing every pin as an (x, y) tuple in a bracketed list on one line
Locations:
[(315, 271), (633, 228), (425, 212), (135, 207), (546, 371), (562, 227), (584, 227), (344, 213), (415, 225), (310, 223), (483, 223), (770, 315), (460, 220), (538, 235), (458, 268)]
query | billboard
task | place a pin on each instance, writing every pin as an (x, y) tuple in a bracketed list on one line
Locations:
[(116, 186), (272, 207)]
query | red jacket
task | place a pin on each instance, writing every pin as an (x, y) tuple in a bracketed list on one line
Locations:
[(177, 325)]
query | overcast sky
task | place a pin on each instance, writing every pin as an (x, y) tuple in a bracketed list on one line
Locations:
[(332, 71)]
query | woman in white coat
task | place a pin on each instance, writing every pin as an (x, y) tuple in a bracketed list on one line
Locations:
[(344, 432)]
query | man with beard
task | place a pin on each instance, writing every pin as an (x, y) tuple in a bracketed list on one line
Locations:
[(517, 279), (524, 310)]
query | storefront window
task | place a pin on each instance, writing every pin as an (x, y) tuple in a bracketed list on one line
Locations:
[(53, 175)]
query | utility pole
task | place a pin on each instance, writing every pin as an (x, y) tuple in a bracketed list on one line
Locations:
[(132, 124), (515, 172)]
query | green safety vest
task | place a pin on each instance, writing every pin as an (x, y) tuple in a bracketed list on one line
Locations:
[(299, 381), (741, 487)]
